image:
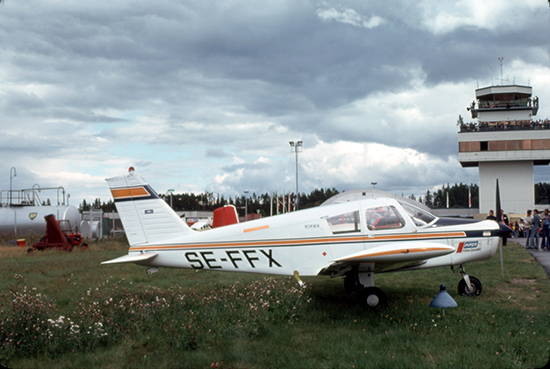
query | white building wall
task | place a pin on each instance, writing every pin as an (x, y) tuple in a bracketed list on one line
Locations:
[(505, 115), (516, 184)]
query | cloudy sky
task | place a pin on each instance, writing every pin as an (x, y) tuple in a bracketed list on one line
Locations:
[(205, 95)]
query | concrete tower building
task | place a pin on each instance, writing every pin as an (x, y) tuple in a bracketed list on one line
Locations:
[(505, 143)]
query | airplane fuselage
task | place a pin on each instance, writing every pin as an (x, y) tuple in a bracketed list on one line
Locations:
[(354, 235), (325, 239)]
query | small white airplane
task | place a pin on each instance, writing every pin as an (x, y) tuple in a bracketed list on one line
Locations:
[(354, 234)]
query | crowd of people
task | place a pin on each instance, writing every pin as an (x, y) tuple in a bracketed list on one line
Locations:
[(505, 125), (534, 227)]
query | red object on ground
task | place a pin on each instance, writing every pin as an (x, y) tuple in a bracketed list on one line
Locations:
[(58, 234)]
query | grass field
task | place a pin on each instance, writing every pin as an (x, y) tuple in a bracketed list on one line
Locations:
[(65, 310)]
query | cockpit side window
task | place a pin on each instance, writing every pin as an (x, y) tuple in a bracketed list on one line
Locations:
[(347, 222), (383, 217)]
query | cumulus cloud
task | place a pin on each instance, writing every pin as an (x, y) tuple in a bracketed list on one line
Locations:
[(206, 95), (349, 16)]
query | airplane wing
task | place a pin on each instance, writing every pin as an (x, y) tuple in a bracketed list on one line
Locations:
[(399, 252), (132, 258), (396, 256)]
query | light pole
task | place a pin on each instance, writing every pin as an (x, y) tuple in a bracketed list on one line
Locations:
[(12, 169), (296, 146), (170, 192), (245, 205), (373, 184)]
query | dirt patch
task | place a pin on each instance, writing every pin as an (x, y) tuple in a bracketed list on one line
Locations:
[(521, 292), (12, 251), (523, 281)]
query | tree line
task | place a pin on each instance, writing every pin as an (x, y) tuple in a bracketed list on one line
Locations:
[(457, 196), (256, 204)]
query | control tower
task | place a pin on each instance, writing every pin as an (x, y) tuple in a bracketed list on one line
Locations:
[(505, 143)]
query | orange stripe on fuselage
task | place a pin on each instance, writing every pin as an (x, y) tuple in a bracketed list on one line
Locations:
[(301, 242), (121, 193), (256, 228)]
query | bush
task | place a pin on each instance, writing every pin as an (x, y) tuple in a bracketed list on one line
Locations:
[(115, 311)]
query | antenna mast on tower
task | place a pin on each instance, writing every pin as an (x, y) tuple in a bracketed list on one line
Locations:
[(501, 79)]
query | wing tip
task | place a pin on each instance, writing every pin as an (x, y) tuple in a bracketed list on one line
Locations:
[(131, 258)]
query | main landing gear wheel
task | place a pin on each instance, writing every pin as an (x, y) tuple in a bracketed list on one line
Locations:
[(465, 291), (371, 296)]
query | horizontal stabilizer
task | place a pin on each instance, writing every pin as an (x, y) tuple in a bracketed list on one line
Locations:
[(400, 252), (132, 258)]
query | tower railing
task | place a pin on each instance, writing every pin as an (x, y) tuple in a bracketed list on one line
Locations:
[(505, 126)]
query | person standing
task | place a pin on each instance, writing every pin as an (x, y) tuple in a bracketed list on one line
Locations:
[(527, 226), (545, 242), (521, 225), (504, 218), (534, 236)]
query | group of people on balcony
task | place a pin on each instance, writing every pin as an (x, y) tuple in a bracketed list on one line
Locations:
[(505, 125), (484, 104)]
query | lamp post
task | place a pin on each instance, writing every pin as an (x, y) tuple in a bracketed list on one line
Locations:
[(245, 205), (373, 184), (296, 147), (170, 192), (12, 169)]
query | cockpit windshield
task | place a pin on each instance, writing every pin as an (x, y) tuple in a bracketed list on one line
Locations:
[(420, 217)]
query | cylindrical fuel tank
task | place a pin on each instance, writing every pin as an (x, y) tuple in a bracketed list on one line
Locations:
[(30, 219), (85, 230), (94, 227)]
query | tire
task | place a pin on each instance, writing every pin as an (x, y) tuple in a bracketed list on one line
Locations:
[(70, 241), (371, 297), (463, 287)]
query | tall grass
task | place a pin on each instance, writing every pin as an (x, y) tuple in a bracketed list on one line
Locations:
[(61, 309)]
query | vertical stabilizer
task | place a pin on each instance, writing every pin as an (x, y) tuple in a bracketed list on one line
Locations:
[(145, 216)]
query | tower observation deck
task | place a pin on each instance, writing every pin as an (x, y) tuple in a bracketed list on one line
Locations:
[(505, 143)]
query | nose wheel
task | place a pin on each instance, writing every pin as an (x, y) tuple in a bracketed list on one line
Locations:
[(473, 290), (468, 286)]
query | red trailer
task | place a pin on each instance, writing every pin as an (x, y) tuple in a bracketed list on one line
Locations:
[(58, 234)]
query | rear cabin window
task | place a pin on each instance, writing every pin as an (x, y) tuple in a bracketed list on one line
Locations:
[(383, 217), (347, 222)]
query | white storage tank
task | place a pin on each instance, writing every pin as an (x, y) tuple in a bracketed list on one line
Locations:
[(24, 219)]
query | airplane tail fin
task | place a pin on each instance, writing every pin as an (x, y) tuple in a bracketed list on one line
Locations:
[(146, 217)]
